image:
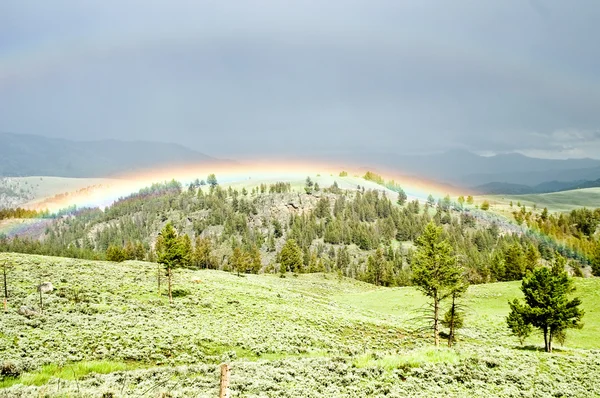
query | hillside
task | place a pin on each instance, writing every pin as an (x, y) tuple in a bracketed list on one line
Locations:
[(31, 155), (554, 201), (359, 232), (104, 331)]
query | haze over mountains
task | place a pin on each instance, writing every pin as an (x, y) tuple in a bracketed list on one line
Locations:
[(31, 155), (28, 155)]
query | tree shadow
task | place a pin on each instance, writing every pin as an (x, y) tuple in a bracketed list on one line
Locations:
[(537, 348)]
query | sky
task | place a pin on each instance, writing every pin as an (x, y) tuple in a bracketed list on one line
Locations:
[(262, 77)]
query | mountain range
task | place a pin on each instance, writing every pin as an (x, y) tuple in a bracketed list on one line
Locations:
[(32, 155), (513, 173)]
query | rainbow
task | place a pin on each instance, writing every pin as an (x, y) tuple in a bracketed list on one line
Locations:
[(249, 175)]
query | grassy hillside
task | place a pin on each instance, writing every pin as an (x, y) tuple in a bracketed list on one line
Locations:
[(104, 330), (555, 201)]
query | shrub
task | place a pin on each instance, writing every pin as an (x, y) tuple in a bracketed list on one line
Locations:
[(10, 369)]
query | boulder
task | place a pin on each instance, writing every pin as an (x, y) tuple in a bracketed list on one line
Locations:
[(46, 287), (26, 311)]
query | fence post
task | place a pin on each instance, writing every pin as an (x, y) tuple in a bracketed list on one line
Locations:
[(224, 388), (5, 287)]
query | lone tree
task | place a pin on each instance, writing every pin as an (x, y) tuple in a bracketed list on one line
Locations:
[(435, 272), (546, 307), (171, 253)]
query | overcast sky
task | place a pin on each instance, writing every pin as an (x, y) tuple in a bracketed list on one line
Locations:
[(251, 77)]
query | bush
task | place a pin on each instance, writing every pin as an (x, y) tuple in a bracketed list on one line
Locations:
[(180, 292), (10, 369), (115, 253)]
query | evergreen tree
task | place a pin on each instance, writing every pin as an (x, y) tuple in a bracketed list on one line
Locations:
[(201, 257), (401, 197), (485, 206), (291, 256), (255, 260), (430, 200), (547, 305), (595, 260), (212, 180), (514, 262), (516, 322), (239, 261), (435, 272), (378, 269), (454, 319), (171, 254), (115, 253), (186, 250)]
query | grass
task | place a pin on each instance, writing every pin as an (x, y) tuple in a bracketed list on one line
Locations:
[(555, 201), (304, 336), (486, 309), (72, 371), (412, 359)]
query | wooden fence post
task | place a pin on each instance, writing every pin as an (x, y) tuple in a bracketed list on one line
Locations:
[(5, 287), (224, 389)]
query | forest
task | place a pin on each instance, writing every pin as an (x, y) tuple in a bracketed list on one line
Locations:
[(363, 234)]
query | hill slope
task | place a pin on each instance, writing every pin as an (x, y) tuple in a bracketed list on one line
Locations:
[(555, 201), (31, 155), (104, 330)]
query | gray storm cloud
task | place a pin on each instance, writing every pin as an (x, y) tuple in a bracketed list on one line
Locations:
[(259, 77)]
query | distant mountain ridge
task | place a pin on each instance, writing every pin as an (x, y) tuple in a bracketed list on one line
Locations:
[(31, 155), (465, 169)]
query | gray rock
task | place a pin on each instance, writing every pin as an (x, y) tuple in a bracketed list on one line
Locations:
[(26, 311), (46, 287)]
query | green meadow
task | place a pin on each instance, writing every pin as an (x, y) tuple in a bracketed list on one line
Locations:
[(106, 332)]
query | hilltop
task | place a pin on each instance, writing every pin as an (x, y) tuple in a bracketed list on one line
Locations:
[(105, 330)]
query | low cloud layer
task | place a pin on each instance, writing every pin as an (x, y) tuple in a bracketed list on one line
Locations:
[(260, 77)]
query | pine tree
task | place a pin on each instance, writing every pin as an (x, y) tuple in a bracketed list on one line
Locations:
[(212, 180), (401, 197), (547, 305), (291, 256), (435, 272), (595, 260), (201, 254), (238, 261), (186, 250), (115, 253), (171, 254), (516, 322)]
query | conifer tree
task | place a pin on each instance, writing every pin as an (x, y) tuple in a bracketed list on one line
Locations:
[(401, 197), (546, 306), (595, 260), (435, 272), (171, 254), (291, 256)]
